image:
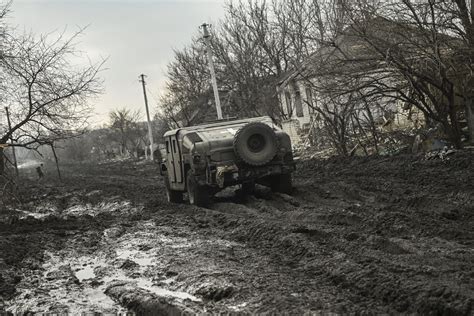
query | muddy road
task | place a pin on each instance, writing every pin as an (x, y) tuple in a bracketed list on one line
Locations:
[(359, 235)]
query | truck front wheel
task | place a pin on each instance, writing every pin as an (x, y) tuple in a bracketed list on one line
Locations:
[(172, 195), (198, 194)]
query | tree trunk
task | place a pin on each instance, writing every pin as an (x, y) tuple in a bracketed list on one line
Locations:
[(470, 118), (2, 162), (56, 160), (453, 117), (453, 129), (373, 128)]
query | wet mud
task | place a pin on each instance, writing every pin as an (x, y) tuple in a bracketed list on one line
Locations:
[(359, 235)]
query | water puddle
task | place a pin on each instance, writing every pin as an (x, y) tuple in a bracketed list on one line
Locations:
[(97, 297), (176, 294), (87, 277), (159, 291), (238, 308), (145, 259), (140, 257), (35, 215), (56, 289), (86, 273)]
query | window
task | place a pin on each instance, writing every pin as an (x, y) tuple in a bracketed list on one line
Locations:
[(167, 147)]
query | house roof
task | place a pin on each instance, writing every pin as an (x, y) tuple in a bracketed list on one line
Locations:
[(351, 52), (324, 58)]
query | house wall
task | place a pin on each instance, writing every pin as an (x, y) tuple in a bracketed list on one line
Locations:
[(291, 127), (297, 125), (296, 121), (408, 118)]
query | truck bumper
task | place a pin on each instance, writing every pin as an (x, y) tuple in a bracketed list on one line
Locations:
[(228, 175)]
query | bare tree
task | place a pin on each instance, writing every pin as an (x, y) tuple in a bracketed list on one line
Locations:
[(412, 56), (460, 20), (254, 46), (387, 54), (131, 134), (46, 92), (188, 89)]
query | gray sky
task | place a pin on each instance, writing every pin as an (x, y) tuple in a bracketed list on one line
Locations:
[(138, 36)]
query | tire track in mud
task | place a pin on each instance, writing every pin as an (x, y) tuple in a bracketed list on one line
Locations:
[(416, 273), (290, 256), (372, 271)]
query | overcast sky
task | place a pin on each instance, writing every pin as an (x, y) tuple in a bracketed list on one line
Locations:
[(138, 36)]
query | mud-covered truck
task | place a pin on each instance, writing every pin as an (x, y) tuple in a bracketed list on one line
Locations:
[(203, 159)]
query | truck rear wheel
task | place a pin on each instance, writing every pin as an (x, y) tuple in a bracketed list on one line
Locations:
[(282, 183), (172, 195), (198, 194)]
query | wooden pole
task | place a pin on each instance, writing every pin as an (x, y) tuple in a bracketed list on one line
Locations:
[(207, 40), (150, 131), (11, 139)]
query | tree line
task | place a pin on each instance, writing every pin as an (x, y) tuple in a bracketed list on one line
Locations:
[(124, 136)]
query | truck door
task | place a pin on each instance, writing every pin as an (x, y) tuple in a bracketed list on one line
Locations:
[(177, 160), (170, 161)]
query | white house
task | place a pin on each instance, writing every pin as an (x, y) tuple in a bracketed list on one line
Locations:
[(348, 60)]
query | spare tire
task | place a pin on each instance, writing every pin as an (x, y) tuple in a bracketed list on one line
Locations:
[(255, 143)]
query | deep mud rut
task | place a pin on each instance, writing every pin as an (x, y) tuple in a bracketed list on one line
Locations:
[(373, 235)]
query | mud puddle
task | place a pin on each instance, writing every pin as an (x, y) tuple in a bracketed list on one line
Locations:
[(84, 274), (46, 209), (70, 281), (60, 290), (104, 274)]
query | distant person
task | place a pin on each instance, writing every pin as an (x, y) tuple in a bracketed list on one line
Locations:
[(39, 171)]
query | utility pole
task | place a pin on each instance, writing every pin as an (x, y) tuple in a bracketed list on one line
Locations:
[(150, 131), (207, 40), (11, 140)]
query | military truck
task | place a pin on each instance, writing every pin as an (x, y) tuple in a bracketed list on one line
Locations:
[(204, 159)]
